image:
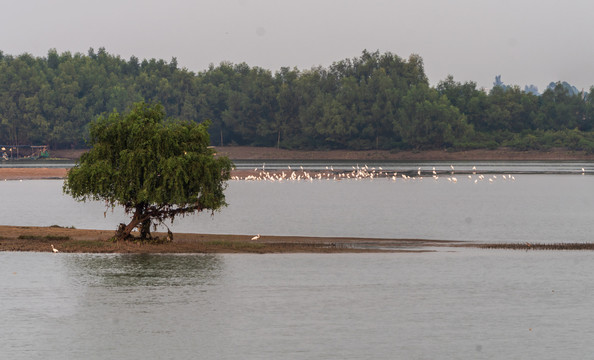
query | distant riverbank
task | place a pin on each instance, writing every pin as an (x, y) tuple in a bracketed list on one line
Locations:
[(239, 153), (502, 154), (266, 153)]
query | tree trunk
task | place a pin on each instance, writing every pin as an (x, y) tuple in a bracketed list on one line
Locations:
[(123, 231), (140, 221), (145, 229)]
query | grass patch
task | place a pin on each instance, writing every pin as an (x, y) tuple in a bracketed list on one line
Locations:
[(83, 244), (46, 237), (62, 227)]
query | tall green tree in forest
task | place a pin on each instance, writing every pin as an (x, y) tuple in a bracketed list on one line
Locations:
[(471, 101), (428, 120), (288, 102), (561, 109), (155, 168)]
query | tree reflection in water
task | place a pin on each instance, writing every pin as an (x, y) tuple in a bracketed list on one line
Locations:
[(141, 270)]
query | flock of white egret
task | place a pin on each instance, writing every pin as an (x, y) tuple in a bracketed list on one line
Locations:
[(366, 172)]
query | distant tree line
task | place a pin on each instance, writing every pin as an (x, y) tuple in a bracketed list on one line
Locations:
[(375, 101)]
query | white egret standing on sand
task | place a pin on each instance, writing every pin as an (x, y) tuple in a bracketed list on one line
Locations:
[(54, 249), (256, 237)]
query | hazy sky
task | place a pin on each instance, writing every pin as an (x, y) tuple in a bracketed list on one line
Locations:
[(526, 41)]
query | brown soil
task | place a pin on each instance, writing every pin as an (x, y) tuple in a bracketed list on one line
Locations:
[(259, 153), (22, 238), (32, 173), (70, 154), (265, 153)]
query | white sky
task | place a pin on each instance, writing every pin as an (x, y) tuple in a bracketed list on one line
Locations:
[(526, 41)]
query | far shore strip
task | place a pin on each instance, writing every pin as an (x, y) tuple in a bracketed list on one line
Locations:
[(261, 154)]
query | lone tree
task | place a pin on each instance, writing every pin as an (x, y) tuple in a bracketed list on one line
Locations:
[(156, 168)]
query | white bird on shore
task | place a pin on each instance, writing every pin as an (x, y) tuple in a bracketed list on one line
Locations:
[(256, 237), (54, 249)]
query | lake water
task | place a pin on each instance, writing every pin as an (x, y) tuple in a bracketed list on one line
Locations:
[(468, 304), (514, 167), (450, 304), (534, 207)]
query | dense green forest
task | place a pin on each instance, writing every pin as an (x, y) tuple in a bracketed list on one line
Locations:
[(375, 101)]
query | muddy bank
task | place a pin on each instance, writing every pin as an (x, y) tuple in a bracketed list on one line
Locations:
[(68, 240), (32, 173), (266, 153), (260, 153), (40, 239)]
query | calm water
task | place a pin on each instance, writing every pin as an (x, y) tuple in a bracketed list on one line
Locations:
[(463, 304), (516, 167), (467, 304), (548, 208)]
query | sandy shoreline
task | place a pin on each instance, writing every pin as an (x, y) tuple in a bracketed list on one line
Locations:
[(68, 240), (32, 173), (40, 239)]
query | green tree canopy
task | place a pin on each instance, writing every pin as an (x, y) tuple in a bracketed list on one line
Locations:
[(367, 102), (156, 168)]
